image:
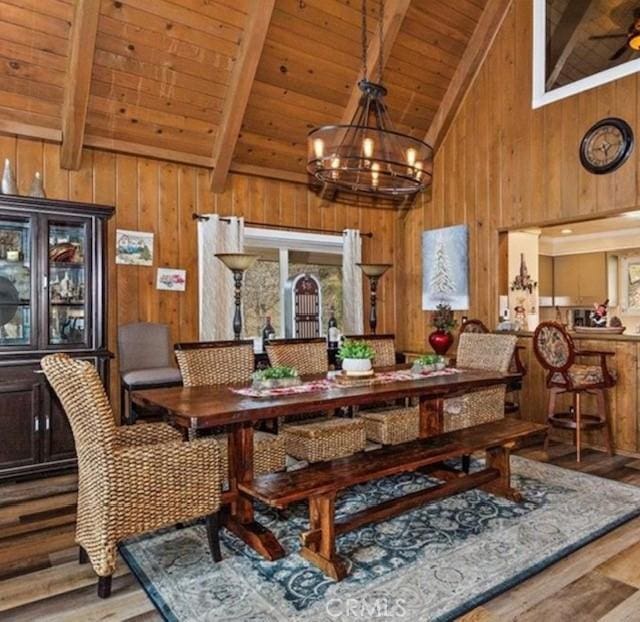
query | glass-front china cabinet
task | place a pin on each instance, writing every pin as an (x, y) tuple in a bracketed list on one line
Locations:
[(53, 291)]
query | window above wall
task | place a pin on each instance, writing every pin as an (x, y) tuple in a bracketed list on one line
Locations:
[(580, 45)]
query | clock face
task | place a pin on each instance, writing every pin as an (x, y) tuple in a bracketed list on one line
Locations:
[(606, 146)]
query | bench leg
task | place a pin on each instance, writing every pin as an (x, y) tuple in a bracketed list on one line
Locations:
[(319, 543), (500, 458)]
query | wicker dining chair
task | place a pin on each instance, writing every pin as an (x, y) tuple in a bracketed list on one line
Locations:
[(512, 402), (229, 362), (388, 424), (131, 479), (321, 438), (568, 371)]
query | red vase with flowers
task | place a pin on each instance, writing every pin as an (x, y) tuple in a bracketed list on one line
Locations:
[(443, 321)]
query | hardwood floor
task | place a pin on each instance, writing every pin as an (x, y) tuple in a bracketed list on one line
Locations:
[(40, 578)]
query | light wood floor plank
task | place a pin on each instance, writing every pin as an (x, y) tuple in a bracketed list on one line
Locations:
[(624, 566), (627, 611)]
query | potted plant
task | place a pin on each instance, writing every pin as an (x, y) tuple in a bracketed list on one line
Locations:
[(275, 378), (356, 356), (429, 362), (441, 339)]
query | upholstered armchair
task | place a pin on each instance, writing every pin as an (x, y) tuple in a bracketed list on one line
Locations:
[(131, 479)]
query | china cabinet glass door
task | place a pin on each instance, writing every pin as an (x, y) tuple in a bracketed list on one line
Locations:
[(16, 285), (67, 279)]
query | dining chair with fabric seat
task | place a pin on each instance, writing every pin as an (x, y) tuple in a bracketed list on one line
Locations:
[(314, 438), (388, 424), (120, 466), (144, 360), (568, 373), (229, 362)]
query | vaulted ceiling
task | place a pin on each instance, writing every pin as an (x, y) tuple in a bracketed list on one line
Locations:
[(228, 84)]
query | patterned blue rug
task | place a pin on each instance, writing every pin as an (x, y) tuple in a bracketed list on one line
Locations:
[(430, 564)]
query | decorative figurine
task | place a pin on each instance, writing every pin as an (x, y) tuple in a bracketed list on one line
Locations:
[(598, 316), (9, 185), (37, 189), (520, 318)]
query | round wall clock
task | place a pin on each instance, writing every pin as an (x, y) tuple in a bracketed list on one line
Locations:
[(606, 145)]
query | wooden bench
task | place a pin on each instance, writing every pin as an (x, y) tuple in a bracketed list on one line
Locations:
[(319, 483)]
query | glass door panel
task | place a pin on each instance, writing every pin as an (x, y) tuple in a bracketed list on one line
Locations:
[(15, 282), (67, 279)]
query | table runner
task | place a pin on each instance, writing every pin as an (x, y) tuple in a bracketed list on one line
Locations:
[(329, 383)]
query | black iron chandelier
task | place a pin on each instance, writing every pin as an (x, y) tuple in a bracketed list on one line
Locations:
[(367, 157)]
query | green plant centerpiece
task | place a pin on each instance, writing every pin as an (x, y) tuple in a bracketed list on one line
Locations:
[(356, 357), (428, 363), (443, 321), (275, 378)]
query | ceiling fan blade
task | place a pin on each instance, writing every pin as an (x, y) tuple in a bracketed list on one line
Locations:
[(612, 36), (619, 53)]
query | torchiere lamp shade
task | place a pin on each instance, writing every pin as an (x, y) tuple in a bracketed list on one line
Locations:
[(237, 261), (374, 269)]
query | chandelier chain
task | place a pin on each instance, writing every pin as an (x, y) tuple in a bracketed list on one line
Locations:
[(380, 34), (364, 39)]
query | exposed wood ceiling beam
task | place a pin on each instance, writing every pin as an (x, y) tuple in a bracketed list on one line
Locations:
[(394, 14), (471, 61), (76, 94), (564, 38), (239, 89)]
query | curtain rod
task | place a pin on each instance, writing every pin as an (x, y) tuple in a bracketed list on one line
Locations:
[(202, 218)]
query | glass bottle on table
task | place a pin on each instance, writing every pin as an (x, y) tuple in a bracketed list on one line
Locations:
[(333, 334), (268, 332)]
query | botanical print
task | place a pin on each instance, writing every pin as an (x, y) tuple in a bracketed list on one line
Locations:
[(445, 269), (171, 279), (134, 248)]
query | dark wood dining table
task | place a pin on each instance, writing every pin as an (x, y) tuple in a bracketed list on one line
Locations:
[(194, 409)]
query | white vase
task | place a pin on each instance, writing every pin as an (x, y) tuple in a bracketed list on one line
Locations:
[(9, 185), (357, 365), (37, 189)]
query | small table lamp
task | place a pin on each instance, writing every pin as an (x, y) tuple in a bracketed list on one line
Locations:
[(238, 263), (373, 271)]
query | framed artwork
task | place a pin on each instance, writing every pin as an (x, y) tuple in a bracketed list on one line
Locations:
[(134, 248), (445, 268), (630, 282), (171, 279)]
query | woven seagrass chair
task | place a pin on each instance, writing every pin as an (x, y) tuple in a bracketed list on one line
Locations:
[(388, 424), (479, 351), (229, 362), (319, 438), (556, 352), (511, 404), (132, 479), (144, 360)]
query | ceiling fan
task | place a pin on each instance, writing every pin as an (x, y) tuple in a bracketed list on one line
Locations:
[(632, 37)]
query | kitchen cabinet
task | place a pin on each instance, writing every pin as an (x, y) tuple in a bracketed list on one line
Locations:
[(545, 276), (580, 279), (52, 299)]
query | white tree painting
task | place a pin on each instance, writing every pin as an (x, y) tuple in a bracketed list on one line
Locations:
[(445, 268)]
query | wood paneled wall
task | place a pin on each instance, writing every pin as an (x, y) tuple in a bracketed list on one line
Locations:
[(156, 196), (505, 165)]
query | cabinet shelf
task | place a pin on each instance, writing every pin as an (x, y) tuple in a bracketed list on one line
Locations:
[(66, 265), (67, 304)]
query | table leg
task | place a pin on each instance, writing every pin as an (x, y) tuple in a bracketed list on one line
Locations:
[(431, 416), (500, 458), (240, 520)]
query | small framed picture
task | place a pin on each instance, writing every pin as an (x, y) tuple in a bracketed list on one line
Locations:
[(134, 248), (171, 279)]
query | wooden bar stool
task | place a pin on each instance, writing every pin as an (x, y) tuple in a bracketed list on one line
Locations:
[(556, 352)]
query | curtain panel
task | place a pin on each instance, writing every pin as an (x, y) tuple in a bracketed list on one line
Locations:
[(215, 280)]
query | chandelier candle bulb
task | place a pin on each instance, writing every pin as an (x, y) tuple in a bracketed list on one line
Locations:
[(411, 156), (375, 173), (318, 148), (367, 147)]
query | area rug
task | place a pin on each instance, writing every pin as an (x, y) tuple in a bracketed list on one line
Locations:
[(430, 564)]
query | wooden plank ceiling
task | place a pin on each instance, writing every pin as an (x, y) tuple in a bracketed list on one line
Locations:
[(161, 77)]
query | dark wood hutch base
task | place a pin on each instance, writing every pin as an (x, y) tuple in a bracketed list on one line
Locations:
[(53, 270)]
